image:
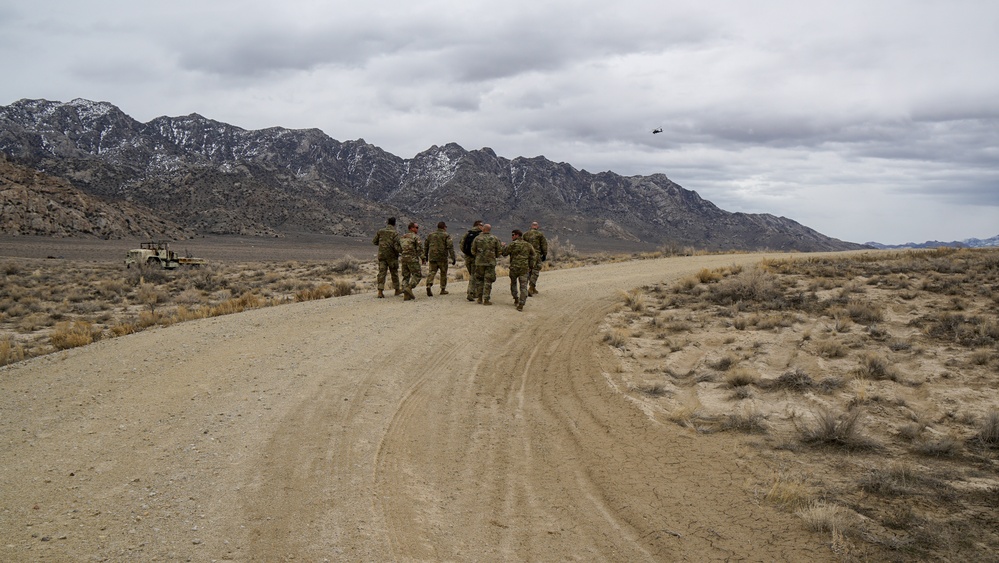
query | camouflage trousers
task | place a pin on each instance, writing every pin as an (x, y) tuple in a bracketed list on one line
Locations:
[(386, 266), (532, 276), (519, 278), (412, 273), (470, 268), (432, 270), (484, 278)]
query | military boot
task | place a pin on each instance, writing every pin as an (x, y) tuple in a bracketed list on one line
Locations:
[(486, 301), (407, 295), (520, 306), (381, 294), (429, 293), (398, 291), (443, 291), (532, 290), (479, 300)]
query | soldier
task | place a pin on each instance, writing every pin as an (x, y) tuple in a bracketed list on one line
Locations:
[(387, 241), (466, 250), (410, 257), (540, 244), (522, 259), (486, 248), (436, 252)]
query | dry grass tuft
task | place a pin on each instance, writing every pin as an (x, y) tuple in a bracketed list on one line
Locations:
[(988, 433), (74, 333), (10, 351), (821, 516), (842, 431), (789, 492), (877, 368), (741, 377)]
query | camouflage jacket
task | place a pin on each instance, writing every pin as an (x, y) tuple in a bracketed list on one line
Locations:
[(412, 247), (522, 255), (486, 248), (537, 240), (387, 241), (439, 247)]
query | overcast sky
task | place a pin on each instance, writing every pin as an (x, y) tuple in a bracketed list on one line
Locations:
[(865, 120)]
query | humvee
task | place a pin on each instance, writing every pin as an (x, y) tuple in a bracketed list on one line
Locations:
[(158, 254)]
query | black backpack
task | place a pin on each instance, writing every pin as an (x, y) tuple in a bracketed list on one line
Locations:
[(466, 243)]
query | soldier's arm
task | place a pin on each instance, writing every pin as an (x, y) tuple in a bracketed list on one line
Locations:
[(449, 242), (375, 241), (544, 244)]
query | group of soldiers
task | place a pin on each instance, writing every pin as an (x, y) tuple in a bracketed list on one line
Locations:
[(481, 250)]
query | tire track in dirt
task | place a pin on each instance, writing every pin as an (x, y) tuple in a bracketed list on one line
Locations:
[(543, 459)]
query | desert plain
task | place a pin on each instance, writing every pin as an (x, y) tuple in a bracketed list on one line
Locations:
[(643, 407)]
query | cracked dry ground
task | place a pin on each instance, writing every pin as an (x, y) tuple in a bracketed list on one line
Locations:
[(372, 429)]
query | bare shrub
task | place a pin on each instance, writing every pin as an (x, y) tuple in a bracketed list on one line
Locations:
[(343, 287), (755, 285), (345, 265), (634, 300), (560, 251), (150, 295), (708, 276)]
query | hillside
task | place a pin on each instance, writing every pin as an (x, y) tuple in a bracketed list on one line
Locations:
[(215, 178), (33, 203)]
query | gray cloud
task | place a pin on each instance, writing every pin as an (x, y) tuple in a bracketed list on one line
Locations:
[(864, 120)]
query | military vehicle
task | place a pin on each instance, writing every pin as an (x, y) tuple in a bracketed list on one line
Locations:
[(158, 254)]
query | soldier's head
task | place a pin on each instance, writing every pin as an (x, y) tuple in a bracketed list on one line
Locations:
[(534, 225), (413, 227), (486, 228), (477, 223), (516, 234), (391, 221), (442, 225)]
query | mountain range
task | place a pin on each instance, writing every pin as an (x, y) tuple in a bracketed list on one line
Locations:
[(190, 175), (966, 243)]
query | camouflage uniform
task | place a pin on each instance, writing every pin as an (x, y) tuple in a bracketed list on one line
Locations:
[(470, 264), (437, 251), (387, 240), (522, 260), (412, 272), (486, 248), (540, 244)]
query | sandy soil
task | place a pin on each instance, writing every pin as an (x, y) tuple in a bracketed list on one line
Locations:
[(364, 429)]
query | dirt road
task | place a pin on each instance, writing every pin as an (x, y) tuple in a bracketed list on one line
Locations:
[(364, 429)]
